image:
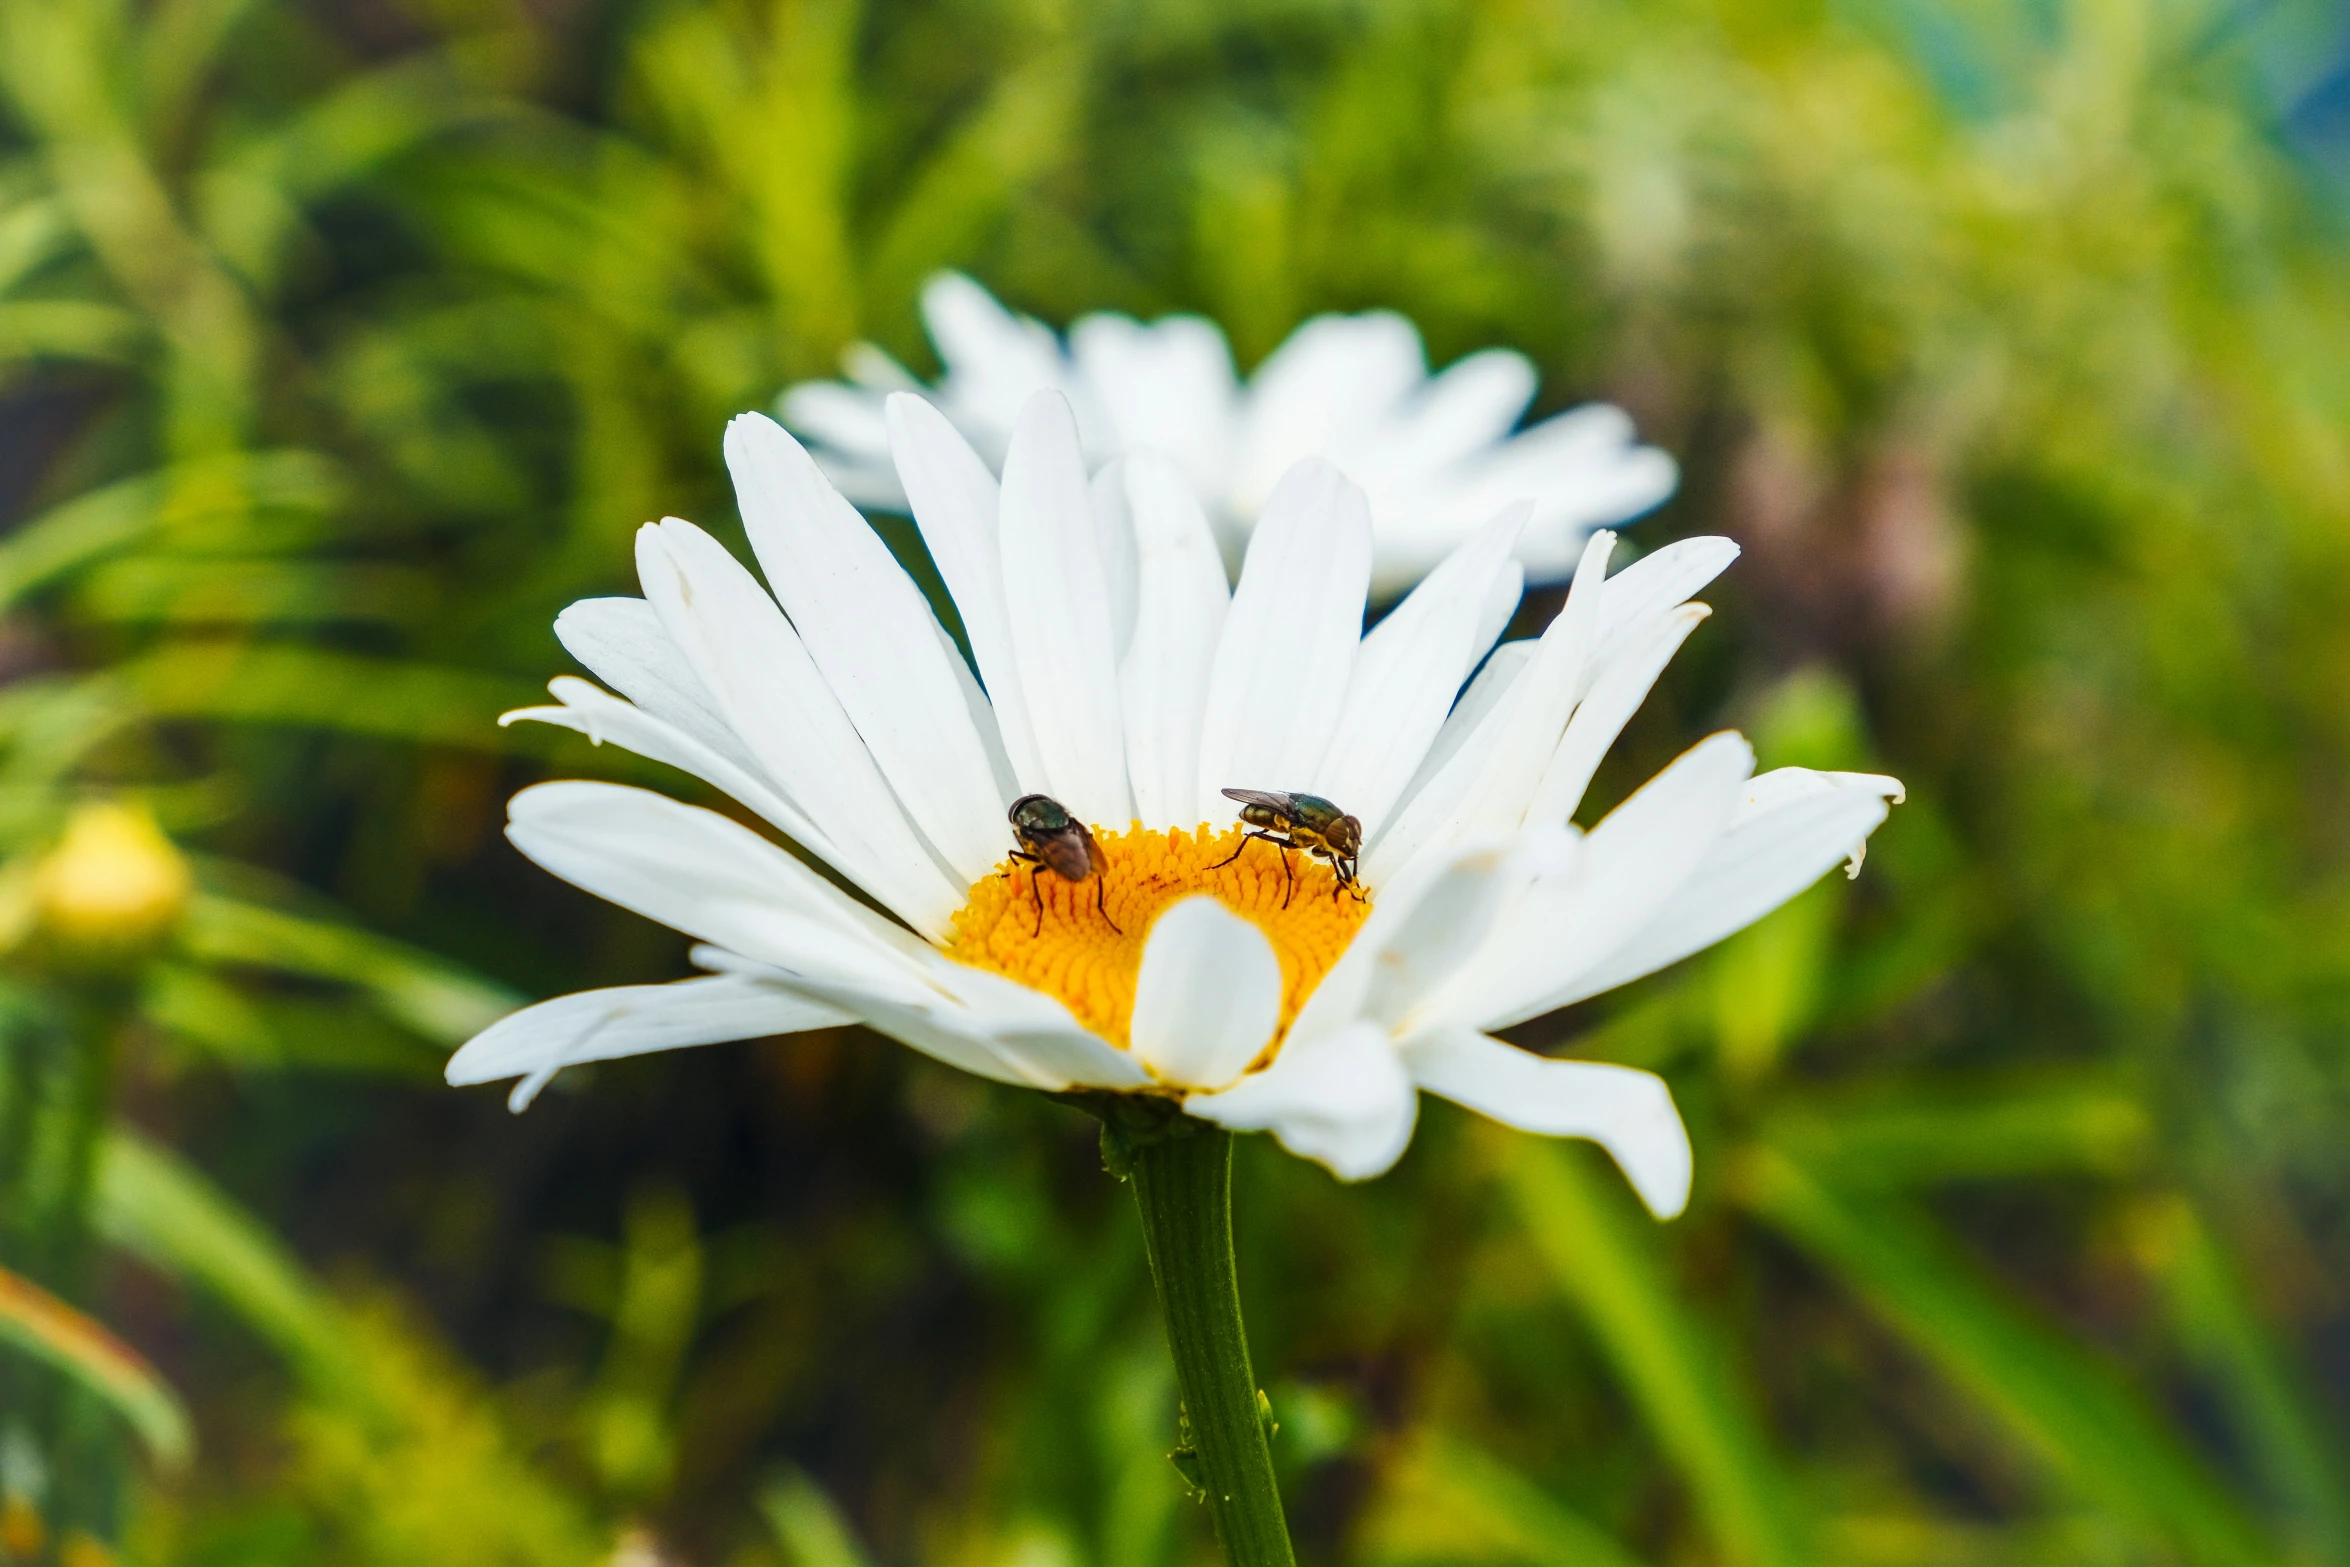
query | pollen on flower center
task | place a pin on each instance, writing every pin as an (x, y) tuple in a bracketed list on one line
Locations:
[(1077, 955)]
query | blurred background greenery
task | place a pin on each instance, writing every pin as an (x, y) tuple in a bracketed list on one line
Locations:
[(342, 342)]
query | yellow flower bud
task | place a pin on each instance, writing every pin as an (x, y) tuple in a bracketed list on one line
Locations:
[(114, 881), (84, 1550), (22, 1534)]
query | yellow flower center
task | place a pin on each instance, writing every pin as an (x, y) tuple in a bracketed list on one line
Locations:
[(1090, 961)]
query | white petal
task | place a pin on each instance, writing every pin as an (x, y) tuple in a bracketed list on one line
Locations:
[(955, 501), (1408, 671), (1461, 411), (1335, 376), (622, 643), (851, 439), (1761, 862), (1061, 632), (630, 1020), (1420, 930), (1113, 537), (1501, 606), (1036, 1033), (1534, 717), (1782, 785), (1163, 683), (983, 718), (875, 640), (1656, 583), (602, 717), (929, 1020), (772, 695), (1568, 925), (995, 360), (1288, 648), (1623, 684), (1208, 996), (1343, 1100), (1586, 469), (1167, 385), (1628, 1112), (714, 879), (1425, 809)]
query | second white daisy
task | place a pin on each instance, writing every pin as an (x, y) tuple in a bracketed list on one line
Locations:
[(1436, 455)]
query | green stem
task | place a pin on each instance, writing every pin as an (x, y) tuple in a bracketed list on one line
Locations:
[(1183, 1185)]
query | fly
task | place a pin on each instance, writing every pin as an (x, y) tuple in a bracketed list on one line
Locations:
[(1301, 821), (1051, 837)]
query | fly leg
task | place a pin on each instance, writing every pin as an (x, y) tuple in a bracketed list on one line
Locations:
[(1288, 870), (1101, 890), (1244, 838)]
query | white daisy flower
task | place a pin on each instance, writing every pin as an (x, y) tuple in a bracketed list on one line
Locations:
[(1256, 987), (1435, 453)]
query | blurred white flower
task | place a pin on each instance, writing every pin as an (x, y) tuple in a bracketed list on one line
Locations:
[(1436, 454), (1116, 673)]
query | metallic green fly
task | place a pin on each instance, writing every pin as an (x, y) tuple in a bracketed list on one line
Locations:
[(1301, 821)]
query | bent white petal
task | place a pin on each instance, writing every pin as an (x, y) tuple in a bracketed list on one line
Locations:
[(630, 1020), (1633, 861), (1656, 583), (1342, 1100), (1207, 997), (1766, 858), (603, 717), (622, 643), (1626, 1111)]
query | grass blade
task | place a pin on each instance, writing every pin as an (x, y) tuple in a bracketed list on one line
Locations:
[(1671, 1363), (51, 1331), (2081, 1416)]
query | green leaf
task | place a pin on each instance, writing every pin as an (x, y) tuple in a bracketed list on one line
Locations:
[(1448, 1499), (286, 683), (268, 1031), (190, 592), (1672, 1364), (184, 501), (1916, 1130), (67, 329), (2082, 1416), (2290, 1441), (41, 1325), (807, 1526), (435, 997)]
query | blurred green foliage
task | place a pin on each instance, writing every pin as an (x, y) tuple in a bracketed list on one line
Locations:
[(342, 342)]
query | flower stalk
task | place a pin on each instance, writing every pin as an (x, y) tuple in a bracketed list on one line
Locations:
[(1182, 1175)]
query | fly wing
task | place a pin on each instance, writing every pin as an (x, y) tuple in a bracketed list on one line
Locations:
[(1070, 854), (1279, 804)]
